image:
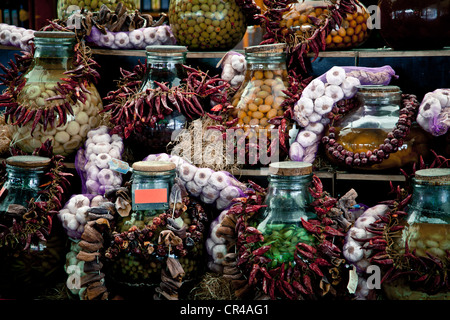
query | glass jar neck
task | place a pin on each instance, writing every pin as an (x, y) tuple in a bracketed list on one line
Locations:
[(266, 61), (54, 53), (287, 199), (24, 178), (430, 202), (164, 68)]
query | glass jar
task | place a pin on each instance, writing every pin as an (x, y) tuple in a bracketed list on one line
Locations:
[(353, 32), (415, 25), (427, 226), (152, 182), (24, 178), (54, 56), (287, 201), (207, 25), (164, 65), (66, 7), (26, 272), (260, 95), (366, 127)]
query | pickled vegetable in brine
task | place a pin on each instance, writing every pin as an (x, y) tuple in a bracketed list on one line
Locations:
[(428, 237)]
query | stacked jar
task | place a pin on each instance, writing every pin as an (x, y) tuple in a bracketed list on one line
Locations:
[(260, 96), (287, 201), (27, 270), (427, 229), (369, 127), (303, 16), (52, 58), (164, 65)]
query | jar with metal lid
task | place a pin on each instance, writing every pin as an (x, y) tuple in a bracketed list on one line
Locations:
[(27, 269), (53, 116), (164, 65), (427, 227), (287, 201), (260, 96), (369, 127)]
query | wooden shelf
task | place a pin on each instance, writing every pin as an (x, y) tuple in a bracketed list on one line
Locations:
[(338, 175), (355, 53)]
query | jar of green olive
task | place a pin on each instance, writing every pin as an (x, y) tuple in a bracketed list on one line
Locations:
[(287, 203), (207, 24)]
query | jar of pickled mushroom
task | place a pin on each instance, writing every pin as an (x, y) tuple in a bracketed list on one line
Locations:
[(366, 138), (260, 95), (207, 24), (52, 58), (66, 7), (27, 269), (427, 227), (303, 16), (164, 65), (287, 203)]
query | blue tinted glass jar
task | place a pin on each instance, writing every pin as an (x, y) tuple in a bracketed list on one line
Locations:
[(27, 270), (287, 201)]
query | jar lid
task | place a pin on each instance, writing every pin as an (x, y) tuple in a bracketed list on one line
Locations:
[(267, 48), (154, 166), (433, 175), (166, 49), (290, 168), (54, 34), (28, 161)]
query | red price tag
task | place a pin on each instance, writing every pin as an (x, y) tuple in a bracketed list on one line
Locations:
[(150, 196)]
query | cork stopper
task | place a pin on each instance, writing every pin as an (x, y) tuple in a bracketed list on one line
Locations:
[(153, 166), (433, 176), (54, 34), (28, 162), (290, 168), (166, 49), (267, 48), (378, 90)]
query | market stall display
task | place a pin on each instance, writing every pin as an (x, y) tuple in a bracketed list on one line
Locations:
[(166, 206)]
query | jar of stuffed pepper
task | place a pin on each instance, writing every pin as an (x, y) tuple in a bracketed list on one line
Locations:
[(66, 7), (260, 96), (303, 17), (164, 65), (31, 260), (287, 201), (50, 116), (427, 228), (369, 136)]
